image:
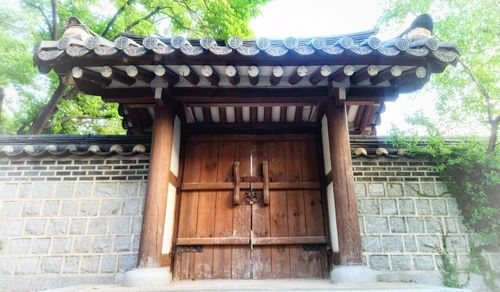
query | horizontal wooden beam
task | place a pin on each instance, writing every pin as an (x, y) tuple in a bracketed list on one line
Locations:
[(210, 186), (289, 240), (251, 128), (213, 241)]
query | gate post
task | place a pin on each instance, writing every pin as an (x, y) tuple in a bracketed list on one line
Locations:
[(351, 267), (149, 272)]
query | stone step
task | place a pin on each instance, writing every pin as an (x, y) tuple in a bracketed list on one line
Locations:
[(281, 285)]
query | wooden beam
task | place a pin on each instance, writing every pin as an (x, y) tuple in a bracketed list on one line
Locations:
[(342, 73), (90, 76), (232, 75), (189, 74), (253, 75), (156, 190), (297, 75), (265, 186), (236, 189), (140, 74), (117, 75), (212, 186), (276, 75), (410, 76), (343, 186), (364, 74), (210, 74), (320, 73), (386, 74), (246, 128), (213, 241), (167, 74), (289, 240)]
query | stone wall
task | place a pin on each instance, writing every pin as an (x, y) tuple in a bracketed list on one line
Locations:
[(69, 220), (406, 216)]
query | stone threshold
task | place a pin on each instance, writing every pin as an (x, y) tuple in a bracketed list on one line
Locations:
[(295, 285)]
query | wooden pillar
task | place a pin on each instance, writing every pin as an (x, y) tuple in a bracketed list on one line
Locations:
[(343, 186), (157, 186)]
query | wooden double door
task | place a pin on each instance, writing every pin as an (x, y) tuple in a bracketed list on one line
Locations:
[(251, 208)]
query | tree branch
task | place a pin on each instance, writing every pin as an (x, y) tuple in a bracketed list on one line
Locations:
[(53, 33), (145, 17), (45, 17), (113, 19)]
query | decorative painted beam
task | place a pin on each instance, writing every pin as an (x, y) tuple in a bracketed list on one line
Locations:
[(232, 75), (90, 76), (140, 74), (210, 74), (253, 75), (297, 75), (276, 75), (364, 74), (320, 74), (117, 75), (189, 74), (342, 73)]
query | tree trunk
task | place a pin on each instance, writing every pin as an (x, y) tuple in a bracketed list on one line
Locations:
[(45, 114), (492, 143)]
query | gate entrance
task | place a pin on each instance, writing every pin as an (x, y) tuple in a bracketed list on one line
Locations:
[(251, 208)]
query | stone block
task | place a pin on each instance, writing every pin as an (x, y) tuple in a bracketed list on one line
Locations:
[(361, 224), (65, 189), (40, 245), (81, 244), (10, 209), (61, 245), (51, 208), (395, 190), (3, 244), (110, 207), (18, 246), (7, 265), (128, 189), (450, 225), (97, 226), (423, 262), (397, 224), (371, 243), (142, 189), (136, 224), (453, 208), (392, 243), (102, 244), (439, 207), (105, 189), (132, 207), (57, 226), (83, 189), (9, 190), (379, 262), (377, 224), (433, 225), (400, 262), (136, 243), (119, 225), (70, 265), (406, 206), (388, 207), (89, 207), (43, 190), (428, 189), (411, 189), (415, 224), (123, 243), (27, 265), (108, 264), (32, 208), (360, 189), (441, 189), (51, 264), (410, 243), (430, 243), (90, 264), (369, 207), (24, 190), (127, 263), (495, 261), (11, 227), (423, 206), (456, 243), (69, 208), (78, 226), (376, 190)]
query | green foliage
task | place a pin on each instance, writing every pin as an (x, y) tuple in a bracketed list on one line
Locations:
[(473, 26), (25, 23), (472, 176), (450, 272)]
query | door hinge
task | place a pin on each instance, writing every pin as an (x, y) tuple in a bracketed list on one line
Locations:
[(314, 247), (188, 248)]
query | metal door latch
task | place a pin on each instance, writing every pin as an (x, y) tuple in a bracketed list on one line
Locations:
[(188, 248)]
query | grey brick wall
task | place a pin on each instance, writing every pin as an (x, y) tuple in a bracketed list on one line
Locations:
[(74, 218), (405, 214)]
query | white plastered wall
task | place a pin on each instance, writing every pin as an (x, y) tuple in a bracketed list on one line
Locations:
[(332, 218), (168, 228)]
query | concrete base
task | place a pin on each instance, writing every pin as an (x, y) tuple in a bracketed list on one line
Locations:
[(147, 277), (352, 274)]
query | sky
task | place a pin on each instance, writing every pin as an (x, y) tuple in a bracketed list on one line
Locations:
[(311, 18)]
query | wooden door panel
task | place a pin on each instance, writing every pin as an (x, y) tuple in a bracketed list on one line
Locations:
[(208, 216)]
